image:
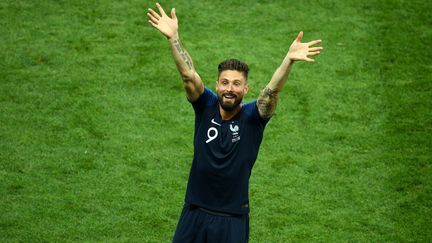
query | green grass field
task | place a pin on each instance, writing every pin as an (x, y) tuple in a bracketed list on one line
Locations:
[(96, 133)]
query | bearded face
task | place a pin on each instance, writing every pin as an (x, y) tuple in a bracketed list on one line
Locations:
[(231, 87), (229, 101)]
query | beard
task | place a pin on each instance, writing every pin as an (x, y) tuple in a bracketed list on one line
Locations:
[(229, 106)]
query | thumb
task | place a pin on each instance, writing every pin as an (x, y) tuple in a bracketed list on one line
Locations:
[(173, 13), (299, 37)]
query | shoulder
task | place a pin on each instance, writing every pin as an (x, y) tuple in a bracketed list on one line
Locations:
[(207, 98), (251, 110)]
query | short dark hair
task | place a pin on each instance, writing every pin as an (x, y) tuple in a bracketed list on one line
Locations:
[(234, 64)]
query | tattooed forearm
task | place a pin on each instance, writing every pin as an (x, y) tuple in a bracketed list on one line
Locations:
[(267, 101), (183, 54)]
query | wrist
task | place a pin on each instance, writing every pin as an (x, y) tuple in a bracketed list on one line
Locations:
[(289, 60), (175, 36)]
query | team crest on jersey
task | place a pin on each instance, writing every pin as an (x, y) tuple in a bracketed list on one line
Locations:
[(235, 132)]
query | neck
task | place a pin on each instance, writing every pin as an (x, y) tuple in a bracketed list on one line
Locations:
[(228, 115)]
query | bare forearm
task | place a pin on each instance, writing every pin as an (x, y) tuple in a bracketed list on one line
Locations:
[(191, 80), (181, 58), (298, 51), (280, 76), (268, 98), (168, 26)]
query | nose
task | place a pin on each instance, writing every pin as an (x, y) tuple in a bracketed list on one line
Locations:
[(229, 88)]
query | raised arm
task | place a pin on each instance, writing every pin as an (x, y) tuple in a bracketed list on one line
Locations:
[(298, 51), (192, 82)]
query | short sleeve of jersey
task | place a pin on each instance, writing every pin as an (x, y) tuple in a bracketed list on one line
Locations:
[(252, 110), (207, 98)]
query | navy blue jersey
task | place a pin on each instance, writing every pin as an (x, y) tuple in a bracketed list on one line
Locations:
[(224, 154)]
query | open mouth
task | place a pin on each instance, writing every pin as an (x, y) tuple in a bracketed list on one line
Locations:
[(229, 96)]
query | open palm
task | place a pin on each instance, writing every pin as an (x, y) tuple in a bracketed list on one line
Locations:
[(299, 51), (166, 25)]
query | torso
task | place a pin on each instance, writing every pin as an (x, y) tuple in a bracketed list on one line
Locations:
[(225, 152)]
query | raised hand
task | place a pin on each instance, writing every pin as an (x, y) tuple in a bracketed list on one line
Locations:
[(299, 51), (166, 25)]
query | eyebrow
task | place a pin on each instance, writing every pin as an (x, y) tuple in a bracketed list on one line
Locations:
[(225, 79)]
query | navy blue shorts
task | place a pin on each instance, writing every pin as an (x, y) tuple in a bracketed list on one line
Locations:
[(199, 225)]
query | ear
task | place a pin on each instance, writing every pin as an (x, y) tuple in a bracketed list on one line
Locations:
[(246, 89), (217, 82)]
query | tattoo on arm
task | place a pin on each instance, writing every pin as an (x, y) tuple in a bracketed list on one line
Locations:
[(267, 102), (185, 57)]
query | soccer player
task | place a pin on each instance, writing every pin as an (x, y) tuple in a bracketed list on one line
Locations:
[(227, 137)]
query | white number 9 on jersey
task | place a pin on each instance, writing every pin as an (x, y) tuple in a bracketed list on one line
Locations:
[(212, 133)]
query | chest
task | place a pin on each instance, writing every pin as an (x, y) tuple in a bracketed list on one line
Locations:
[(217, 135), (226, 148)]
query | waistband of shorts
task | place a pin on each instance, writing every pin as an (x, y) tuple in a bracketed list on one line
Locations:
[(217, 213)]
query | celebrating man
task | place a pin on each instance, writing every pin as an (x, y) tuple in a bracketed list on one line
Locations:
[(227, 137)]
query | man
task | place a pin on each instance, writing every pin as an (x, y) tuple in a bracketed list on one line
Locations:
[(227, 138)]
